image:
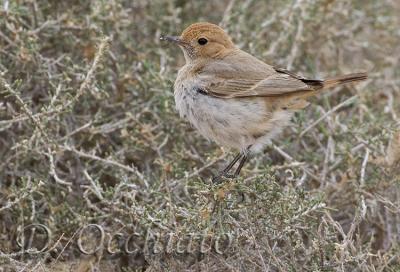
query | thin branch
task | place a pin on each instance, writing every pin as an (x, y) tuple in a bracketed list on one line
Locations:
[(337, 107)]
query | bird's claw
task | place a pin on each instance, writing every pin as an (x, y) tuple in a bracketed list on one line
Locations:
[(220, 177), (217, 179)]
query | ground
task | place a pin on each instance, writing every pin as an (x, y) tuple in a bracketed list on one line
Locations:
[(94, 153)]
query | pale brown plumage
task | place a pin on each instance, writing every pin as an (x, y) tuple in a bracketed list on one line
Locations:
[(250, 77), (234, 98)]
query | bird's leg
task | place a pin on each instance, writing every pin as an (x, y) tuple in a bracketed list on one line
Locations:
[(239, 168), (237, 172), (232, 163), (242, 162), (224, 172), (245, 157)]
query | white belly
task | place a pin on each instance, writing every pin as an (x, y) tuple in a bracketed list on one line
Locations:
[(234, 123)]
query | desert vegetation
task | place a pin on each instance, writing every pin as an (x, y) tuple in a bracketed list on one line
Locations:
[(93, 152)]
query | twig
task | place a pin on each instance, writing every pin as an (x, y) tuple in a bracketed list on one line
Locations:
[(343, 104), (25, 107), (108, 162), (197, 171), (53, 173), (99, 54), (76, 130), (363, 167), (88, 78), (227, 14), (290, 159), (299, 34), (25, 194)]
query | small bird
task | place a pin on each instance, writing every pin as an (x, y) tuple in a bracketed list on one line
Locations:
[(235, 99)]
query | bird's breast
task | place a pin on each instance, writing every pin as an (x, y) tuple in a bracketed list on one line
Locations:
[(235, 122)]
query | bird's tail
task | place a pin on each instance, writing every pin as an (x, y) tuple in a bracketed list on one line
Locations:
[(319, 85), (332, 82)]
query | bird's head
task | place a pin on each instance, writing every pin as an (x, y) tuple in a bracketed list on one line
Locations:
[(202, 41)]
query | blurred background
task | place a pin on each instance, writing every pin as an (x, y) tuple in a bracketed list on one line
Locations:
[(89, 135)]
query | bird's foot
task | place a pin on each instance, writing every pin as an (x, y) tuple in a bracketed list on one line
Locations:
[(222, 176), (217, 179)]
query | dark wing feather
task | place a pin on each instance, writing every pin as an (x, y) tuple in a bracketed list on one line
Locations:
[(312, 82)]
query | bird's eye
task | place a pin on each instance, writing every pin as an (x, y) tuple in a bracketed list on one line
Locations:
[(202, 41)]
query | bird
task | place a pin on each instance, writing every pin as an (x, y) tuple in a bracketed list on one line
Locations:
[(235, 99)]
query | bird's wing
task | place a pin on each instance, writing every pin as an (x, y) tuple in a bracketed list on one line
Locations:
[(274, 85), (227, 80)]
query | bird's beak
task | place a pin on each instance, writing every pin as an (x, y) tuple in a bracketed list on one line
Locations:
[(173, 39)]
